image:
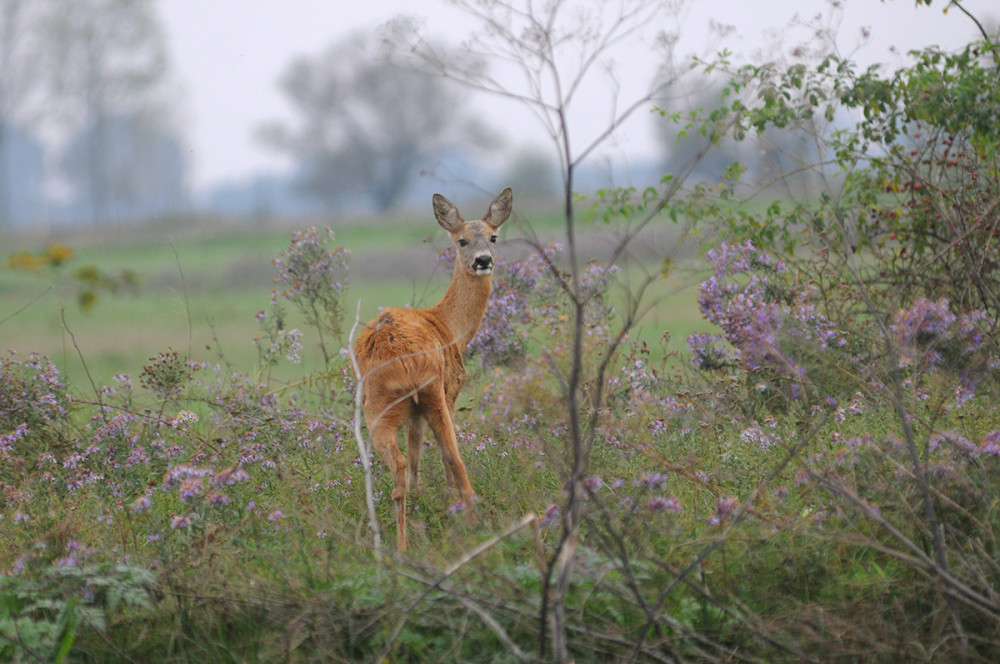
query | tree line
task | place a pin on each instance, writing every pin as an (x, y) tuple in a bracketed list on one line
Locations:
[(89, 134)]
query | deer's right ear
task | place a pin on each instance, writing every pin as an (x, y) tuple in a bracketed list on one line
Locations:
[(500, 208), (447, 214)]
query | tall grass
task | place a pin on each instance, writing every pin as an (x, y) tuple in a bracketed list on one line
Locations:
[(194, 507)]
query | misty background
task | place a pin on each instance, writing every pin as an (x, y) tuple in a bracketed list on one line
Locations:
[(126, 111)]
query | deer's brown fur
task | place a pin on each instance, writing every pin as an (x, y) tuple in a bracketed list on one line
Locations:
[(411, 359)]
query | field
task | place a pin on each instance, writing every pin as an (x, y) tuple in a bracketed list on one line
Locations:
[(200, 284), (176, 492)]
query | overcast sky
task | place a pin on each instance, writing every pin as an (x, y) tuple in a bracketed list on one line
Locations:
[(229, 54)]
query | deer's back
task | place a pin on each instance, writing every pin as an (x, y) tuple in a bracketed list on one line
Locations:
[(407, 351)]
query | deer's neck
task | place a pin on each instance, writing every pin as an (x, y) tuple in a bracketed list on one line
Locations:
[(462, 307)]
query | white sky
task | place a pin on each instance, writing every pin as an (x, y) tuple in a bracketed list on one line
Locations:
[(229, 54)]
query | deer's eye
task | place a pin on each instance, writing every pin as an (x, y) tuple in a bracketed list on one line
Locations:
[(493, 239), (463, 242)]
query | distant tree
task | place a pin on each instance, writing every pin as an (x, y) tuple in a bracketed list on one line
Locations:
[(783, 158), (681, 139), (140, 171), (22, 173), (20, 88), (534, 176), (364, 126), (107, 61)]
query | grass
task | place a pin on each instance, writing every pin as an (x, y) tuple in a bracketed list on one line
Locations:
[(200, 286), (698, 543)]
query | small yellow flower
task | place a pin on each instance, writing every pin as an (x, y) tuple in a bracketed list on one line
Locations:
[(22, 260), (57, 254)]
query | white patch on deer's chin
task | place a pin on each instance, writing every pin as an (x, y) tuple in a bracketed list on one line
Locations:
[(483, 271)]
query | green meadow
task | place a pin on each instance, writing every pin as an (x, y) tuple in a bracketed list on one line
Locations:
[(200, 282), (172, 493)]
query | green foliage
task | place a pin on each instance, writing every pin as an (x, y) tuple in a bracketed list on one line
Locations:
[(87, 280), (918, 174), (41, 617)]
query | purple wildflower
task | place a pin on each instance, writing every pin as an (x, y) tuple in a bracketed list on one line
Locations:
[(178, 521), (551, 515), (140, 505), (7, 440), (651, 480), (990, 445), (661, 504), (724, 508), (190, 488)]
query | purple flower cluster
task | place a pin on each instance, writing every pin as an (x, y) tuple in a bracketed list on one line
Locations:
[(927, 332), (7, 440), (755, 436), (664, 504), (725, 506), (31, 392), (312, 276), (762, 315), (309, 269), (523, 296), (710, 351)]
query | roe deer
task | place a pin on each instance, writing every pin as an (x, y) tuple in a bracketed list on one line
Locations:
[(410, 360)]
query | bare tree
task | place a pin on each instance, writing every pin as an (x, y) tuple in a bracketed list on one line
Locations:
[(20, 89), (108, 58), (126, 192), (550, 52), (365, 126)]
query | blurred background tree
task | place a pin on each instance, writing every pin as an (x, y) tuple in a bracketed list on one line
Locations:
[(20, 154), (786, 160), (108, 72), (534, 176), (366, 127)]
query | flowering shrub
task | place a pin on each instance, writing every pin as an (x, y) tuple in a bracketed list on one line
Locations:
[(32, 393), (933, 334), (767, 321), (528, 299), (524, 294), (151, 473), (313, 277), (166, 374)]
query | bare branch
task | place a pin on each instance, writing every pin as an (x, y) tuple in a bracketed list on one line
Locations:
[(364, 450)]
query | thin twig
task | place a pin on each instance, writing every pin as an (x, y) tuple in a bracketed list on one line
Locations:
[(28, 304), (363, 449), (86, 370), (187, 304)]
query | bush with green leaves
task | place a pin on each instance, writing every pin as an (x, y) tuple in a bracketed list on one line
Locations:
[(914, 212)]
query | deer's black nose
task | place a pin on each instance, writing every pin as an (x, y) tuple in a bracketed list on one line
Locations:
[(482, 263)]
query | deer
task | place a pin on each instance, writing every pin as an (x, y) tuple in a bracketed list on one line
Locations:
[(410, 360)]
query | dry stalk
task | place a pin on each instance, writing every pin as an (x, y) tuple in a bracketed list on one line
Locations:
[(363, 449)]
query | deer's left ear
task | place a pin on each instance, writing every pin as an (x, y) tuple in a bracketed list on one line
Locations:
[(500, 208), (447, 214)]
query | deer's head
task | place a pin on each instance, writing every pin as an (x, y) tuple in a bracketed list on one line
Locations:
[(475, 241)]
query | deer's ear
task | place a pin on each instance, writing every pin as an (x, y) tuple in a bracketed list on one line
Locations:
[(500, 208), (447, 214)]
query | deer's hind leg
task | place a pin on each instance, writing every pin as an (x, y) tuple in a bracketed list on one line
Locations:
[(414, 446), (439, 418), (384, 431)]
